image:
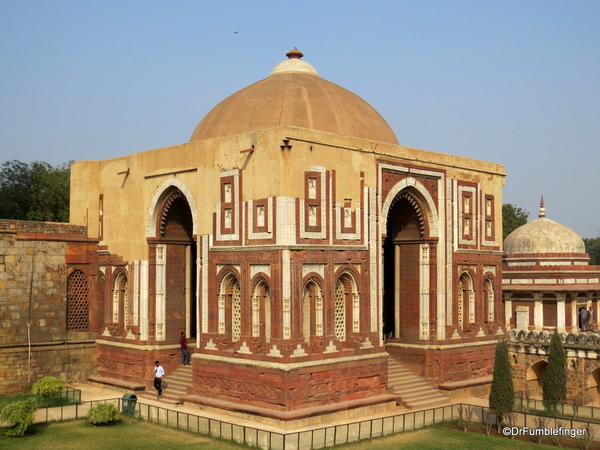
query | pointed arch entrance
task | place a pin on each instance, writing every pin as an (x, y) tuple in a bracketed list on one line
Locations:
[(409, 249), (176, 254)]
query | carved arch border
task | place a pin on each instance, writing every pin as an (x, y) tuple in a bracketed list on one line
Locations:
[(315, 278), (257, 279), (492, 279), (413, 187), (470, 271), (352, 273), (224, 273), (155, 204), (118, 271)]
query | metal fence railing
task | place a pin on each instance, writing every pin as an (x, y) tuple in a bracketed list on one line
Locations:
[(68, 412), (67, 396), (316, 438), (326, 436), (563, 409)]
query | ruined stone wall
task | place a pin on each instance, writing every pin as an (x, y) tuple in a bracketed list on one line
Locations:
[(529, 355), (34, 341), (70, 361)]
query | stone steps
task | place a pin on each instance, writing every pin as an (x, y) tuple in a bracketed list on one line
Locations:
[(178, 383), (414, 391)]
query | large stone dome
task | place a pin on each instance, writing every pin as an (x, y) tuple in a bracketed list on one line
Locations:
[(294, 94), (543, 236)]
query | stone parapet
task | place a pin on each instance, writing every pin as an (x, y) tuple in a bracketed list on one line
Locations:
[(26, 226), (542, 339)]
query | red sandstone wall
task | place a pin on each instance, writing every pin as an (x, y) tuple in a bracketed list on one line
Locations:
[(290, 390)]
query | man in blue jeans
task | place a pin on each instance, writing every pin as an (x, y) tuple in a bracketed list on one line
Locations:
[(185, 354)]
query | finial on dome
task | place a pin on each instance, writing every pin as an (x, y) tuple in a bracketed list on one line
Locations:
[(294, 54), (542, 209), (294, 64)]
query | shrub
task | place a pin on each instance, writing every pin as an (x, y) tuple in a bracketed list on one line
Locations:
[(48, 386), (47, 389), (103, 414), (18, 415)]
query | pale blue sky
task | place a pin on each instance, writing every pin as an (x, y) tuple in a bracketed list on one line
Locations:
[(513, 82)]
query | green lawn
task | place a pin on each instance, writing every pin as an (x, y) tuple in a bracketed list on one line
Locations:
[(129, 434), (441, 439), (133, 434)]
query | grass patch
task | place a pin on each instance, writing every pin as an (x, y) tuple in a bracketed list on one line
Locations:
[(135, 434), (128, 434), (441, 438)]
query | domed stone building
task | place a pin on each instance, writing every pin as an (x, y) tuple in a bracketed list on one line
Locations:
[(285, 239), (546, 277)]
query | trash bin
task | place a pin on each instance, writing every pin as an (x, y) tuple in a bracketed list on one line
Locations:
[(129, 401)]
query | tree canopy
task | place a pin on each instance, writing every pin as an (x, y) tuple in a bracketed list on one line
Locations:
[(34, 191), (592, 247), (512, 218)]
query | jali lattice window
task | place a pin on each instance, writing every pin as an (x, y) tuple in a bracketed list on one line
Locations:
[(488, 289), (77, 302), (339, 321), (236, 312)]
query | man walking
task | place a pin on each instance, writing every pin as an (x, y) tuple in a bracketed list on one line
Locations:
[(582, 318), (185, 354), (159, 373)]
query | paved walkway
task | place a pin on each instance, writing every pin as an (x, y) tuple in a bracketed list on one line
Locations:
[(91, 392)]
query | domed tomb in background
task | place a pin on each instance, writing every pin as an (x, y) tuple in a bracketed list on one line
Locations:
[(546, 277), (544, 239), (294, 94)]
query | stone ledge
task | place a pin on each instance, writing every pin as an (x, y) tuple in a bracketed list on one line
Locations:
[(476, 387), (466, 383), (301, 417), (120, 384)]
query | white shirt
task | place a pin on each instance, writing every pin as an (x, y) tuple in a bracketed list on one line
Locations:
[(159, 372)]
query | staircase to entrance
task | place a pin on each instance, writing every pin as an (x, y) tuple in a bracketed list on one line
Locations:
[(178, 383), (414, 391)]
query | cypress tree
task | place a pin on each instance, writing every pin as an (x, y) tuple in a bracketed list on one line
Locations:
[(502, 395), (554, 388)]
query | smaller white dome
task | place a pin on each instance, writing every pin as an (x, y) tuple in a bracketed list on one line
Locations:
[(543, 236), (294, 64)]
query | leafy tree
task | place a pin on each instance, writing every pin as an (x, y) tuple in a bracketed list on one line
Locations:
[(502, 394), (512, 218), (592, 247), (34, 191), (554, 388)]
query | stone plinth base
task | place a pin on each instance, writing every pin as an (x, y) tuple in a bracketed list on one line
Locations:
[(479, 387), (119, 385), (284, 388), (133, 365), (447, 362), (344, 411)]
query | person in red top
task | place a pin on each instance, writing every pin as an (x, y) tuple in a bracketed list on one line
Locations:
[(185, 354)]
